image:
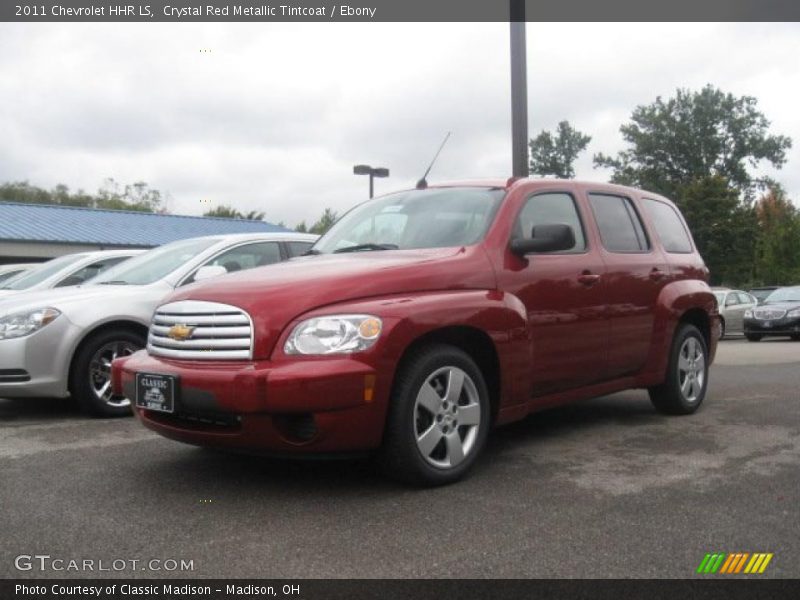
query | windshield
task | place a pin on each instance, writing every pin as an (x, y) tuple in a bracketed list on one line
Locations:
[(720, 297), (10, 275), (789, 294), (154, 264), (39, 274), (433, 218)]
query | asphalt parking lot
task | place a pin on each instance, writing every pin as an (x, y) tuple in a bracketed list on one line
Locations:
[(605, 488)]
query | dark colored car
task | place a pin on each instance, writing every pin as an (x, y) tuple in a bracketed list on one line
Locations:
[(424, 318), (761, 293), (779, 315)]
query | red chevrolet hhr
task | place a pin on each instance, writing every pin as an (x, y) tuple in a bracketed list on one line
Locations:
[(424, 318)]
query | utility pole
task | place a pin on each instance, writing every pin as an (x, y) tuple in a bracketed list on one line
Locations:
[(519, 90)]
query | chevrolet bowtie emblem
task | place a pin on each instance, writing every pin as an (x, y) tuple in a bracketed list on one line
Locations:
[(180, 333)]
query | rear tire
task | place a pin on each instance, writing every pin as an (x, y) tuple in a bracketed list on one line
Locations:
[(686, 381), (753, 337), (722, 329), (795, 337), (438, 420), (90, 375)]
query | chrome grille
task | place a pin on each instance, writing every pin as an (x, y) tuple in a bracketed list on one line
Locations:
[(768, 314), (212, 331)]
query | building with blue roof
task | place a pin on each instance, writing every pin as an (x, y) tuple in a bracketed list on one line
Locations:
[(31, 232)]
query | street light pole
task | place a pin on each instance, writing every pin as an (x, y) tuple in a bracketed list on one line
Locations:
[(372, 172), (519, 90)]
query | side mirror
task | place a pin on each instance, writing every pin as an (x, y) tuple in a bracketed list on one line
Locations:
[(545, 238), (209, 271)]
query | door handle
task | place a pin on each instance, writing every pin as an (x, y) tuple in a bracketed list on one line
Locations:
[(656, 274), (587, 278)]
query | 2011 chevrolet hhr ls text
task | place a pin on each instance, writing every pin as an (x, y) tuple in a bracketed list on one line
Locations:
[(424, 318)]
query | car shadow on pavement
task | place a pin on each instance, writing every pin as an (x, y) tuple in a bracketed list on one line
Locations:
[(226, 471), (37, 410)]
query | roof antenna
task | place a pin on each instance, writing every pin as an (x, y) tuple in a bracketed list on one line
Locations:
[(423, 183)]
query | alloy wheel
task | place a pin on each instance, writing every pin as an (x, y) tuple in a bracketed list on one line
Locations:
[(100, 371), (691, 369), (447, 417)]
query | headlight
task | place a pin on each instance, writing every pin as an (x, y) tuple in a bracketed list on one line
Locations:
[(25, 323), (334, 334), (795, 312), (748, 314)]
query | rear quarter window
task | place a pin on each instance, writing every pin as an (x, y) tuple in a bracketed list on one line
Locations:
[(668, 226), (621, 229)]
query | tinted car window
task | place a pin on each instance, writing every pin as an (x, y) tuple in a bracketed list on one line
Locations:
[(551, 209), (621, 229), (669, 226), (298, 248)]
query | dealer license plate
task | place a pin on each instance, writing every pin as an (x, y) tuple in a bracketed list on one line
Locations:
[(156, 392)]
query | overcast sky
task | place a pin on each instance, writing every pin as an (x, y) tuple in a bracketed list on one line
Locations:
[(273, 116)]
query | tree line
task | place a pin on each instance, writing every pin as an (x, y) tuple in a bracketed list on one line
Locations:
[(700, 148)]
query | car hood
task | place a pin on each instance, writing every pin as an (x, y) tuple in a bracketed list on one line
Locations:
[(277, 294), (780, 305), (85, 305)]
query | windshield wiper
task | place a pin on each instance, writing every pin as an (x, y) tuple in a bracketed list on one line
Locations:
[(360, 247), (115, 282)]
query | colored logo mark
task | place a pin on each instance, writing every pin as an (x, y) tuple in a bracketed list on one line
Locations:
[(735, 562)]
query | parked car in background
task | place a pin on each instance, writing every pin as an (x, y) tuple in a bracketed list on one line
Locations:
[(779, 315), (59, 342), (732, 306), (65, 271), (423, 318), (761, 293), (9, 271)]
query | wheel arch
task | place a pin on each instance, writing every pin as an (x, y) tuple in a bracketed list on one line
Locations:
[(126, 324), (475, 342)]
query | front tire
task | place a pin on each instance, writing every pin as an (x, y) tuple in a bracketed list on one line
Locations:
[(753, 337), (90, 375), (722, 329), (438, 419), (686, 381)]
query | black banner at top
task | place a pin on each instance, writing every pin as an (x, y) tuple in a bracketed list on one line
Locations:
[(395, 10)]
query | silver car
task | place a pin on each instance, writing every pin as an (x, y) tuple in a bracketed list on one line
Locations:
[(59, 342), (65, 271), (732, 306)]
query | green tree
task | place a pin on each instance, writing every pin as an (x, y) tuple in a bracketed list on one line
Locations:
[(111, 195), (325, 222), (692, 136), (226, 211), (301, 227), (724, 228), (554, 154), (777, 260), (137, 197)]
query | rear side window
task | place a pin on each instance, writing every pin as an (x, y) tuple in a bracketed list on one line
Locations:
[(298, 248), (669, 226), (551, 209), (745, 298), (621, 229)]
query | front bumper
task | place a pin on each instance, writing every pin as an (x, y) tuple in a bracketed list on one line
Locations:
[(784, 326), (37, 365), (304, 406)]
